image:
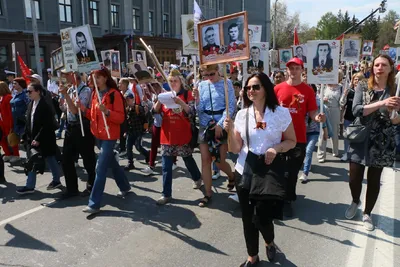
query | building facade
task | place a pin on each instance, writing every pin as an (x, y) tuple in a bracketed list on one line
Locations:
[(113, 22)]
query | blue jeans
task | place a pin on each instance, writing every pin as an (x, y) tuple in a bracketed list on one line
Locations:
[(214, 167), (312, 139), (55, 171), (167, 162), (62, 126), (106, 159), (136, 140), (346, 142)]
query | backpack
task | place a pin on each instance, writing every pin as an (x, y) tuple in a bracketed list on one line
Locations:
[(112, 97)]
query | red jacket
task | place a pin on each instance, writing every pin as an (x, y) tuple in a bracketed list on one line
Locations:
[(6, 122), (114, 120)]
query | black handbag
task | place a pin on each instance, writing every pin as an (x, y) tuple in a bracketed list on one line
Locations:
[(357, 131)]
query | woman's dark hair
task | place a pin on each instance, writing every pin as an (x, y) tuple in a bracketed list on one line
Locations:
[(21, 81), (279, 71), (107, 74), (271, 101), (37, 87)]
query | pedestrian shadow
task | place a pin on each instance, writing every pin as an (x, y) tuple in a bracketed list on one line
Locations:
[(23, 240), (7, 194), (332, 174)]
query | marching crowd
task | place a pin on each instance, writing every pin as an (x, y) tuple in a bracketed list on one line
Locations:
[(269, 131)]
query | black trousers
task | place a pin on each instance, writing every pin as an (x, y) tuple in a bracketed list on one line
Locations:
[(75, 144), (122, 139), (255, 219), (294, 161)]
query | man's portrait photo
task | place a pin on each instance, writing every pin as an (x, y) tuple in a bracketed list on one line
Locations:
[(140, 71), (190, 45), (255, 64), (211, 38), (251, 35), (233, 34), (323, 58), (106, 55), (367, 48), (350, 48), (299, 52), (85, 54), (115, 66)]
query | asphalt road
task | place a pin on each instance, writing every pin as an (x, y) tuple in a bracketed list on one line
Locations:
[(35, 230)]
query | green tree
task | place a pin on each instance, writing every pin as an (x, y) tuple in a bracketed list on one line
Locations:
[(386, 34), (370, 30), (346, 22), (328, 27), (306, 33), (285, 25)]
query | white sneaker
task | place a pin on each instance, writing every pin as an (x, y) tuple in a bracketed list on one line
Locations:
[(344, 158), (174, 166), (216, 176), (303, 178), (123, 193), (352, 210), (368, 224), (90, 210), (335, 155), (7, 158), (234, 198), (14, 159), (148, 170), (321, 160)]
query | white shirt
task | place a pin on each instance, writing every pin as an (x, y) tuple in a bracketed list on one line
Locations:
[(34, 105), (52, 87), (261, 139), (397, 78)]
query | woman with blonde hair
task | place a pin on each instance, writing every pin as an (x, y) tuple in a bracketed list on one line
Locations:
[(176, 135), (210, 101), (373, 104)]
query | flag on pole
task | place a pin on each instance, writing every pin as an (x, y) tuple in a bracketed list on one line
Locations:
[(386, 47), (24, 68), (296, 37), (197, 16), (340, 37)]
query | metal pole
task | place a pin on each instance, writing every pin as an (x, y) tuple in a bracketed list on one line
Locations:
[(242, 5), (36, 38), (274, 40), (83, 12)]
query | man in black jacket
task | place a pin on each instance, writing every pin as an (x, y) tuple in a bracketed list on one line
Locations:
[(85, 55)]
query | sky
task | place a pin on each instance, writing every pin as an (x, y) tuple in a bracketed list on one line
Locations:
[(312, 10)]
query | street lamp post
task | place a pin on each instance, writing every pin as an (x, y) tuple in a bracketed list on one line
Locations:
[(274, 40), (36, 38)]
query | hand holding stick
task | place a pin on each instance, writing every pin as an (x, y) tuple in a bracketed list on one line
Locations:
[(102, 113)]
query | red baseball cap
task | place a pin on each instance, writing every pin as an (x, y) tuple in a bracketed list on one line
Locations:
[(296, 61)]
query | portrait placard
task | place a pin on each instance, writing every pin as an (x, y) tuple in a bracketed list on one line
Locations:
[(57, 59), (259, 57), (224, 39), (106, 58), (178, 54), (140, 71), (300, 51), (255, 32), (323, 62), (84, 48), (115, 64), (274, 59), (367, 48), (189, 44), (351, 50), (285, 54), (70, 61), (139, 55), (183, 62), (393, 53)]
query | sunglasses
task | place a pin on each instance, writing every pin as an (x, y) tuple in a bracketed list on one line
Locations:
[(29, 91), (209, 75), (255, 87), (261, 125)]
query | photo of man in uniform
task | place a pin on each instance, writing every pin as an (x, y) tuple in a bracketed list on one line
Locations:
[(285, 57), (367, 48), (255, 64), (300, 54), (209, 37), (115, 62), (85, 55), (107, 60), (190, 32), (323, 57), (251, 34), (351, 51), (233, 32)]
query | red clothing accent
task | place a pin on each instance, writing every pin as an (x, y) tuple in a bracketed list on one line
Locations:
[(6, 122), (114, 120), (299, 100), (136, 94), (175, 128)]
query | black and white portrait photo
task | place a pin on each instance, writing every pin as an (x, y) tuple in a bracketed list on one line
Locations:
[(115, 65), (85, 54), (189, 43), (254, 33), (367, 48), (57, 59), (300, 52), (323, 58), (351, 50), (259, 55), (234, 32), (285, 55), (84, 48), (139, 55), (140, 71), (106, 57), (184, 62), (211, 42)]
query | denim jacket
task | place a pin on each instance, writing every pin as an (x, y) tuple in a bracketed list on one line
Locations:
[(19, 105)]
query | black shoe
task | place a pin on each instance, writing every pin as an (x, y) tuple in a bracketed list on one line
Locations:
[(287, 210), (86, 193), (25, 190), (67, 195), (249, 264), (129, 167), (54, 185), (271, 252)]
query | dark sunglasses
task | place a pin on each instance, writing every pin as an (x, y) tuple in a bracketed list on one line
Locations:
[(255, 87), (261, 125), (29, 91), (209, 75)]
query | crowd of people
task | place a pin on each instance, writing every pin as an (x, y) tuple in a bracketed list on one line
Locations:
[(269, 129)]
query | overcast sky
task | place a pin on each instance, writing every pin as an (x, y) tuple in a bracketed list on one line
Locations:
[(312, 10)]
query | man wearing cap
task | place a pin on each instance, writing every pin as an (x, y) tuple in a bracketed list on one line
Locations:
[(10, 78), (74, 142), (299, 98)]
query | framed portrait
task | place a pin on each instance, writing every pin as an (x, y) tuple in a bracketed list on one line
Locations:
[(274, 59), (300, 51), (139, 55), (140, 71), (323, 61), (183, 62), (57, 59), (224, 39), (115, 64), (397, 39), (178, 54), (259, 57), (285, 54), (106, 58), (166, 66), (84, 48), (189, 43), (70, 61), (351, 50), (367, 48), (392, 52), (254, 32)]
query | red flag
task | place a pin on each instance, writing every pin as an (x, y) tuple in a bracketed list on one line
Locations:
[(296, 37), (24, 68), (386, 47), (340, 37)]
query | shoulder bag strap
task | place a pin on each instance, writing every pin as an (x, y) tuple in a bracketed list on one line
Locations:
[(212, 109), (247, 129)]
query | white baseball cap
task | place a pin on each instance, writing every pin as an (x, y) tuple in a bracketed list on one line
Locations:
[(37, 77)]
